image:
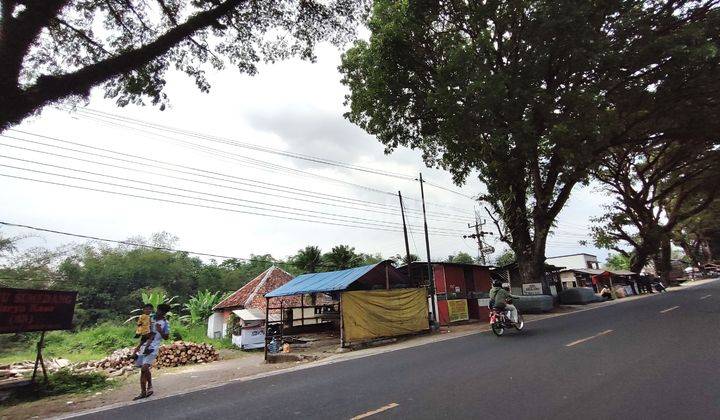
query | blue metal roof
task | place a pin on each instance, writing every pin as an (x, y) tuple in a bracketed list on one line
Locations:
[(321, 282)]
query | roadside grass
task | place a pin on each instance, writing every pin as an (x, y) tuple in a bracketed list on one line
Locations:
[(62, 382), (94, 343)]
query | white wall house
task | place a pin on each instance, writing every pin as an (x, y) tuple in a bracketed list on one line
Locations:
[(574, 261)]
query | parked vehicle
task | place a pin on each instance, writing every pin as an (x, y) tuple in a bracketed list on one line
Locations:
[(499, 322)]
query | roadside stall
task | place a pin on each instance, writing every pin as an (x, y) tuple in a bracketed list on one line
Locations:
[(462, 290), (621, 282), (363, 303), (248, 329)]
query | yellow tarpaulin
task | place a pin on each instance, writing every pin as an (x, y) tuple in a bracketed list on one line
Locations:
[(383, 313)]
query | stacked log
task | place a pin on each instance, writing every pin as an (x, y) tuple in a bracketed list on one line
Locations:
[(178, 353), (121, 361), (182, 353)]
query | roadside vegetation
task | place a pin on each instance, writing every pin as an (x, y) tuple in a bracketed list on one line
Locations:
[(114, 282), (93, 343)]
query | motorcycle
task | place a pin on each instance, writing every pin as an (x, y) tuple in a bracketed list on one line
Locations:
[(499, 322)]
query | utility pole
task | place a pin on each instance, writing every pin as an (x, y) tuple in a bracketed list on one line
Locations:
[(479, 235), (429, 264), (407, 245)]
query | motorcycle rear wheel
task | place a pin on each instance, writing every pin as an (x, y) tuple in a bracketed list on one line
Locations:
[(497, 328)]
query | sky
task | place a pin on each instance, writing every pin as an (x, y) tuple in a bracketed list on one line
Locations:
[(292, 106)]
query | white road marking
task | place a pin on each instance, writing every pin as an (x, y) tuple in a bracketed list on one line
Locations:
[(705, 297), (582, 340), (373, 412), (669, 309)]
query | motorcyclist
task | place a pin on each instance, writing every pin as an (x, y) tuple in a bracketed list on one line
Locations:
[(501, 299)]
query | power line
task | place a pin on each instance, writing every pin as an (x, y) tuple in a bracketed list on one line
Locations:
[(352, 207), (252, 161), (373, 222), (235, 179), (159, 248), (361, 226), (88, 112)]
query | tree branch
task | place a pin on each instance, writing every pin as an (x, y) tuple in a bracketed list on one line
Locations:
[(85, 37), (19, 33), (52, 88), (173, 19), (501, 235)]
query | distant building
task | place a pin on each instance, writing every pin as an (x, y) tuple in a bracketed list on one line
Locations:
[(575, 261)]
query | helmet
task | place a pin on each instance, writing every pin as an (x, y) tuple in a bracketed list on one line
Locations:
[(497, 283)]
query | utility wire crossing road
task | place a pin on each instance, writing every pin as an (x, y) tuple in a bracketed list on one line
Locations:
[(636, 359)]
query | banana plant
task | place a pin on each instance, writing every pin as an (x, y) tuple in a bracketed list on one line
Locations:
[(199, 307), (155, 298)]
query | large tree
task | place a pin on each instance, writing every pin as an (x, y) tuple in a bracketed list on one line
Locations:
[(656, 188), (51, 50), (530, 94)]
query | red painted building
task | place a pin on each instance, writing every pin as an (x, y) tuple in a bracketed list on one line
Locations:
[(461, 289)]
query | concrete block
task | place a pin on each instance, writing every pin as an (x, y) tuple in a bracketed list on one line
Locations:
[(578, 296), (534, 304)]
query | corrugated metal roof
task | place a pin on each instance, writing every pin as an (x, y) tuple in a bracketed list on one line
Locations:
[(249, 314), (591, 271), (623, 273), (321, 282)]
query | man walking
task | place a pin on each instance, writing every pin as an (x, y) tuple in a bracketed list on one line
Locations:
[(149, 350)]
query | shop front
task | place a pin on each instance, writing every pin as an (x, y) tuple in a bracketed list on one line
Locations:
[(462, 290)]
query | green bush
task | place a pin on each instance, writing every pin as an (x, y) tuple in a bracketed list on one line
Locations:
[(196, 334)]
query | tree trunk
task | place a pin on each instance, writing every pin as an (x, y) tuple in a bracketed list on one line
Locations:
[(532, 269), (638, 261), (691, 251), (665, 261)]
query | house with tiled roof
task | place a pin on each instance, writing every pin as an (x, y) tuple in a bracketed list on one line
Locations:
[(249, 297)]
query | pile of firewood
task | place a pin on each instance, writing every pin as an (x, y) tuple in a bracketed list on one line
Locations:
[(176, 354), (121, 361), (182, 353)]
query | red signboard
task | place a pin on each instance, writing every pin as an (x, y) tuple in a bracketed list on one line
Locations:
[(25, 310)]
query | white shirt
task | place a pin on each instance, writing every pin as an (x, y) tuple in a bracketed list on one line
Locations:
[(157, 337)]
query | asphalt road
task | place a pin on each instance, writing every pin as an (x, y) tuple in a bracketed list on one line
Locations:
[(655, 358)]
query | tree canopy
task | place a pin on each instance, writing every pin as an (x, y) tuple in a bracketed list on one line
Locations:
[(618, 262), (308, 260), (529, 95), (655, 188), (342, 257), (461, 258), (507, 257), (52, 50)]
